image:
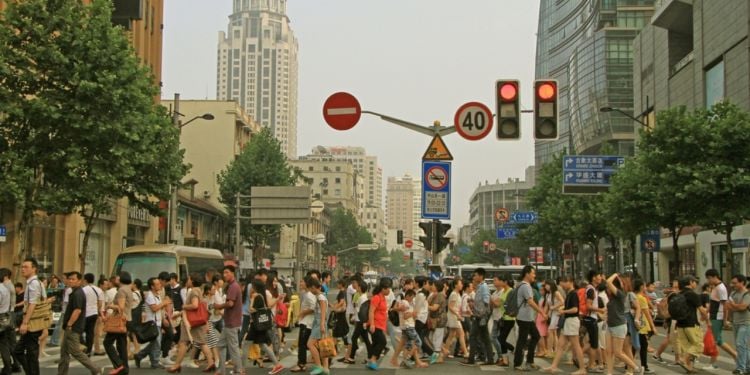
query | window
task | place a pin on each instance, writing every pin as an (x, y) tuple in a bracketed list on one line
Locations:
[(338, 169), (325, 191), (715, 84), (311, 168), (338, 180)]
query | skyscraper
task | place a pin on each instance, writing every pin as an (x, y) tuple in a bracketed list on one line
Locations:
[(400, 205), (257, 67)]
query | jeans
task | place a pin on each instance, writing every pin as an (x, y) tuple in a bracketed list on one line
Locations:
[(741, 337), (423, 332), (152, 350), (304, 335), (55, 339), (26, 352), (229, 342), (71, 347), (505, 329), (480, 342), (495, 336), (116, 346), (524, 330), (6, 345), (90, 332)]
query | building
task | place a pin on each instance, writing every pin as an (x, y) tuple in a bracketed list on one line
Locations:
[(694, 54), (335, 182), (257, 67), (364, 164), (400, 206), (374, 222), (56, 240), (587, 47), (487, 198)]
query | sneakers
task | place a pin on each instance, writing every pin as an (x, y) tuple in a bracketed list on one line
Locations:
[(317, 370), (167, 362), (372, 366), (523, 368), (193, 364), (434, 358), (279, 368), (709, 367)]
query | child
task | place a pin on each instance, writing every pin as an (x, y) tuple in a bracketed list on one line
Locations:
[(409, 332), (318, 330)]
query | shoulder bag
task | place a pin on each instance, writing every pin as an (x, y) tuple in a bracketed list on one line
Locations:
[(199, 316), (262, 317), (116, 323), (41, 317)]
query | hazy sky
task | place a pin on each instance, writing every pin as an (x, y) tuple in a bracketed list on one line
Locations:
[(417, 60)]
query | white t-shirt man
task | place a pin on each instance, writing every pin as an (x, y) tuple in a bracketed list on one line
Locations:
[(406, 322), (94, 299), (150, 315), (720, 295), (307, 303), (420, 304)]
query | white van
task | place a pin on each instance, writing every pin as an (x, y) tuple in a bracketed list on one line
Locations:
[(146, 261)]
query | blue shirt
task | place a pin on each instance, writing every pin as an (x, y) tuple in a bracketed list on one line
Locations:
[(483, 293)]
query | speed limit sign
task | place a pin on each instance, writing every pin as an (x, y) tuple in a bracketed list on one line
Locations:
[(473, 121)]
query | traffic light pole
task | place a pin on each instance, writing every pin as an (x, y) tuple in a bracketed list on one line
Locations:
[(435, 241)]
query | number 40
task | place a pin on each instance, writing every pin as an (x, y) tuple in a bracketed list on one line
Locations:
[(477, 119)]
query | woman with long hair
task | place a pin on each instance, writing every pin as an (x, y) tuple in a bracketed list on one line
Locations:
[(571, 327), (259, 336), (647, 322), (507, 322), (541, 321), (555, 303), (376, 323), (632, 316), (116, 344), (455, 330), (439, 317), (617, 325), (194, 335)]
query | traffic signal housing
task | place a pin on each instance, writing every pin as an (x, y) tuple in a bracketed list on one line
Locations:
[(399, 236), (508, 112), (545, 109), (427, 238), (441, 239)]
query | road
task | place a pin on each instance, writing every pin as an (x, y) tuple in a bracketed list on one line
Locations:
[(451, 367)]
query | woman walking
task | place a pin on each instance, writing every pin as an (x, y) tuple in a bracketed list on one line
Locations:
[(318, 330), (455, 330), (555, 303), (571, 329), (257, 335), (617, 325), (116, 344), (195, 335), (214, 296), (360, 331), (439, 317), (507, 322), (541, 322), (376, 323)]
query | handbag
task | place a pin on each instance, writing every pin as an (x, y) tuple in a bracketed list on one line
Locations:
[(146, 332), (253, 353), (7, 322), (116, 323), (197, 317), (262, 318), (41, 317), (709, 344), (327, 346)]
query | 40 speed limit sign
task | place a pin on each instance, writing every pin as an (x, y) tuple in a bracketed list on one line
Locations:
[(473, 121)]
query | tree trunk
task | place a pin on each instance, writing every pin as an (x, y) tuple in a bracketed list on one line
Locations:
[(89, 222), (24, 229), (730, 256), (674, 269), (598, 263)]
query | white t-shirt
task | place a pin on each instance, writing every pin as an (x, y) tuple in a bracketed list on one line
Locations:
[(497, 313), (719, 294), (420, 304), (219, 298), (109, 295), (406, 322), (94, 295), (150, 315), (307, 303), (350, 292), (362, 299)]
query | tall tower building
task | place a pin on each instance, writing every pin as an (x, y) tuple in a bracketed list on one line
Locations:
[(400, 205), (364, 164), (257, 67)]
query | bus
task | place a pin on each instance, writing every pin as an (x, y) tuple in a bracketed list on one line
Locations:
[(146, 261), (466, 270)]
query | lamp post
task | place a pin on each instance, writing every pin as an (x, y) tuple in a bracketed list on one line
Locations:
[(612, 109), (320, 238)]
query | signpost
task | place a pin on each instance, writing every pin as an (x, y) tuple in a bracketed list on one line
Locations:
[(3, 233), (437, 150), (651, 240), (521, 217), (436, 190), (501, 215), (509, 233), (589, 174), (342, 111), (473, 121)]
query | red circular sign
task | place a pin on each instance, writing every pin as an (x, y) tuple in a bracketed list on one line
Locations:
[(342, 111), (473, 121), (408, 244), (486, 243), (436, 177)]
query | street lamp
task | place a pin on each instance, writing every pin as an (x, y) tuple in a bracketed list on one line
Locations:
[(611, 109), (205, 116), (320, 238)]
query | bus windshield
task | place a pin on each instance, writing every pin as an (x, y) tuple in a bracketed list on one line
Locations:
[(145, 265)]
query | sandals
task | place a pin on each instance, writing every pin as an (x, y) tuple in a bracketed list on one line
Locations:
[(349, 361), (299, 368)]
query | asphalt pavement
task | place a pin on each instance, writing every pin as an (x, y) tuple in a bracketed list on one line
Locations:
[(450, 367)]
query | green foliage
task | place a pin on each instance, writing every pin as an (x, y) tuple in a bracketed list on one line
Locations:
[(345, 233), (261, 163), (478, 254)]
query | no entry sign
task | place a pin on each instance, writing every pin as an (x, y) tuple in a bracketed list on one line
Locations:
[(342, 111)]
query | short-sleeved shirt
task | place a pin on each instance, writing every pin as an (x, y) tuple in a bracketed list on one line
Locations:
[(693, 302), (357, 304), (12, 291), (307, 303), (525, 312), (719, 295), (321, 300), (94, 295), (77, 301), (152, 299), (110, 294), (643, 303), (34, 292), (350, 292), (420, 304), (571, 301), (406, 322), (616, 309), (741, 317), (482, 296), (6, 303), (503, 298), (233, 315), (380, 308), (126, 294), (591, 296), (497, 312)]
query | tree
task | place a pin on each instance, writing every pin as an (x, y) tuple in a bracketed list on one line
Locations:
[(261, 163), (345, 233), (80, 127)]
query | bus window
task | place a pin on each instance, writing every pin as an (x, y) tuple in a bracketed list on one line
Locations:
[(145, 265), (201, 265), (183, 273)]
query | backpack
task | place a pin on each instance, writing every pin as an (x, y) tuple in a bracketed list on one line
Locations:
[(364, 312), (511, 304), (393, 315), (282, 315), (678, 307), (583, 308), (663, 307)]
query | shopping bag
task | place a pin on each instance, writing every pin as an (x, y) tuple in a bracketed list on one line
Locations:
[(709, 344), (254, 353), (327, 347)]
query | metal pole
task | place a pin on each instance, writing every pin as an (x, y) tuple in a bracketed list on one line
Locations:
[(434, 239), (237, 235), (172, 209)]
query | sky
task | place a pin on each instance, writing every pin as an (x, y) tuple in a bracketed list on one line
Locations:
[(416, 60)]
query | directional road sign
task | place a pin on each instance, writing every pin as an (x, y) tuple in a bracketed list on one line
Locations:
[(437, 150), (589, 174), (473, 121), (436, 190), (507, 233), (342, 111), (523, 217)]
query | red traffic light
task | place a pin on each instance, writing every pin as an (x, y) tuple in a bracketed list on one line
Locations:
[(546, 91), (508, 92)]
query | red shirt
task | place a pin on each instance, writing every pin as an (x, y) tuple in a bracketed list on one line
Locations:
[(381, 311)]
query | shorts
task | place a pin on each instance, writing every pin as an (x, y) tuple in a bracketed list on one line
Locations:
[(716, 327), (411, 338), (593, 330), (619, 331), (690, 340), (571, 327)]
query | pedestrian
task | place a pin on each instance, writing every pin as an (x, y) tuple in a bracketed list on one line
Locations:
[(480, 347), (104, 285), (137, 291), (555, 303), (527, 311), (26, 352), (439, 319), (360, 330), (617, 325), (507, 322), (116, 344), (193, 335), (215, 297), (306, 316), (738, 306), (689, 335), (256, 334), (319, 324), (94, 304), (409, 336), (591, 318), (421, 312), (602, 324), (154, 307), (229, 338), (338, 312), (571, 327), (671, 326), (455, 330), (7, 329), (376, 323), (75, 323), (717, 306), (646, 324), (541, 324)]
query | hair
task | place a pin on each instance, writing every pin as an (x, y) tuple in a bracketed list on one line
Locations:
[(705, 287), (125, 278), (408, 281), (480, 271), (101, 282), (592, 274), (410, 293), (33, 261), (602, 287), (76, 274), (364, 287), (259, 287), (355, 279), (261, 272), (4, 272), (439, 285), (89, 277), (342, 282), (150, 282), (626, 280), (420, 280), (198, 279), (552, 286), (18, 285), (740, 278), (650, 283), (173, 276), (164, 276), (455, 282), (526, 270), (312, 282), (230, 268), (384, 283), (712, 273), (206, 289), (638, 285), (138, 284), (216, 278), (316, 273), (325, 275)]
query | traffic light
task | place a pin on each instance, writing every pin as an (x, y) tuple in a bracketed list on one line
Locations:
[(399, 236), (545, 109), (427, 238), (508, 113), (442, 240)]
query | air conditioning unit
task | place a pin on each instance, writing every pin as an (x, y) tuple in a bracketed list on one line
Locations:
[(206, 194)]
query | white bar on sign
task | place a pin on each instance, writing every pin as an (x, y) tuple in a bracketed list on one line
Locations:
[(342, 111)]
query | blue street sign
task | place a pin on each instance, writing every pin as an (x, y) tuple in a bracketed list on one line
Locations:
[(2, 231), (436, 190), (592, 162), (521, 217), (651, 240), (507, 234), (589, 174)]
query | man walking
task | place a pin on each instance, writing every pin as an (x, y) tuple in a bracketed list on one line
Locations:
[(738, 306), (75, 324), (229, 340), (717, 306), (154, 311), (479, 335), (689, 335), (27, 351), (590, 320), (94, 303), (527, 311)]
